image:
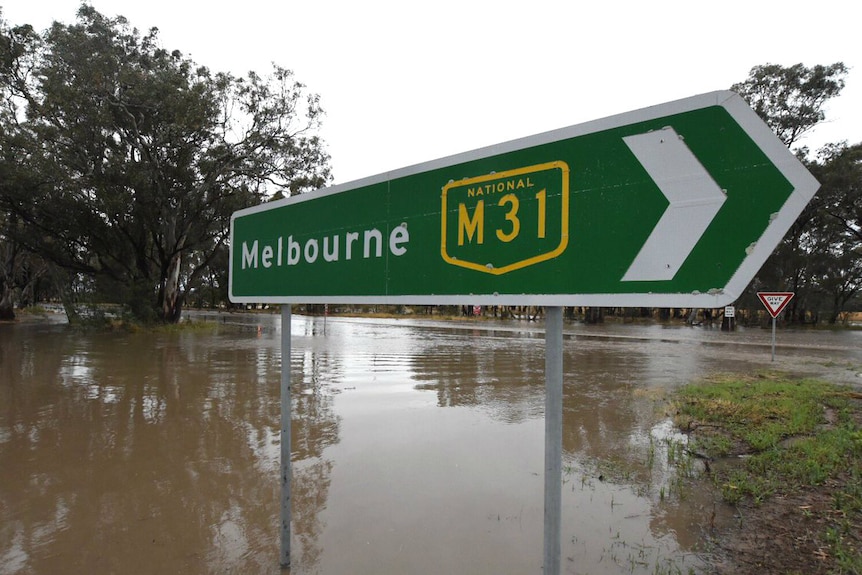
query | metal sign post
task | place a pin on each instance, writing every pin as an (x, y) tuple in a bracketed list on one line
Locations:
[(553, 437), (774, 302), (285, 436), (773, 339)]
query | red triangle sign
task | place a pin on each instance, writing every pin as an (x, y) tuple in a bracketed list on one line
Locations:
[(775, 301)]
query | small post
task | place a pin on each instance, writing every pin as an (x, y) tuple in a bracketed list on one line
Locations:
[(553, 438), (773, 338), (285, 436)]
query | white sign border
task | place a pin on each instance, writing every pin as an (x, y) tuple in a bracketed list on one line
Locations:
[(804, 188)]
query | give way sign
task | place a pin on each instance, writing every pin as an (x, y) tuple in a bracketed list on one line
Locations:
[(775, 302)]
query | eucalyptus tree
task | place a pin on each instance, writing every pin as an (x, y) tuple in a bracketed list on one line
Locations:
[(791, 100), (135, 156), (838, 226)]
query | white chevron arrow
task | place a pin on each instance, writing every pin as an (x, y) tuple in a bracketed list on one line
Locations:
[(694, 198)]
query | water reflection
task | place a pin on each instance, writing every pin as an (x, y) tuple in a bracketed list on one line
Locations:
[(501, 373), (146, 453), (417, 446)]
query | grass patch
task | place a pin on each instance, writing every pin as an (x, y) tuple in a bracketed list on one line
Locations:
[(794, 433), (756, 413), (793, 436)]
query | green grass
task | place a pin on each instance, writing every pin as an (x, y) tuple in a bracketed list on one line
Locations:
[(796, 435), (759, 412), (782, 426)]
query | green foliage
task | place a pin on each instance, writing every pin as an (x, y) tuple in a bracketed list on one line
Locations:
[(835, 231), (791, 99), (819, 256), (137, 156)]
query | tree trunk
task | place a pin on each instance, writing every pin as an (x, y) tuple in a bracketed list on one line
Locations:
[(7, 272), (63, 286), (594, 315), (171, 301), (7, 306)]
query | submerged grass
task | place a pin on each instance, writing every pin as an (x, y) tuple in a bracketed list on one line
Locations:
[(794, 435)]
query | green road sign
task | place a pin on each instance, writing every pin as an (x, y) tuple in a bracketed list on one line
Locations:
[(676, 205)]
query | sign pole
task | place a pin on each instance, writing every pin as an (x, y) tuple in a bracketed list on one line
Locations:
[(285, 435), (553, 437), (774, 302), (773, 338)]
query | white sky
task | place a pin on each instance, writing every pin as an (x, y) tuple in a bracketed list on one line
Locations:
[(407, 82)]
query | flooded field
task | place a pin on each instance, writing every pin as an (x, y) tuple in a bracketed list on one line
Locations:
[(417, 445)]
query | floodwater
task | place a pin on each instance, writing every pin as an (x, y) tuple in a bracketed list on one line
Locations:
[(417, 445)]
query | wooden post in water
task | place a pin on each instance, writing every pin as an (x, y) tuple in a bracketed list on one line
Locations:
[(285, 435), (553, 438)]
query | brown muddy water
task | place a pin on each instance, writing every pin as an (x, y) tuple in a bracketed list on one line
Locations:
[(417, 445)]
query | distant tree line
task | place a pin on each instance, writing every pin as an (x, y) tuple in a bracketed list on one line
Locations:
[(121, 163)]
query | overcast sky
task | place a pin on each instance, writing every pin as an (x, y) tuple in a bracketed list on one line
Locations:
[(407, 82)]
